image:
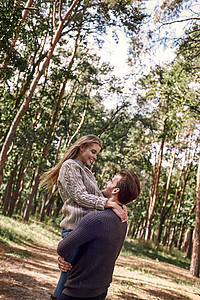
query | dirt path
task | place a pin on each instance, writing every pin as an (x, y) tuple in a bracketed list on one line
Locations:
[(30, 272)]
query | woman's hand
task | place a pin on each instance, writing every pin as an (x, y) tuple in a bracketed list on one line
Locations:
[(63, 265), (121, 211)]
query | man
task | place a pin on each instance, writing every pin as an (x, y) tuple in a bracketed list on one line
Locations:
[(99, 236)]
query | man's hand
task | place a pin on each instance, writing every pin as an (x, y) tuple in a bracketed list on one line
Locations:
[(63, 265), (121, 211)]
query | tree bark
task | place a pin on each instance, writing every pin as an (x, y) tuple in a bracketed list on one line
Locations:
[(16, 192), (171, 239), (42, 210), (175, 200), (142, 231), (184, 244), (195, 262), (162, 214), (180, 236), (34, 188), (153, 198), (186, 176), (189, 248), (18, 203), (8, 193)]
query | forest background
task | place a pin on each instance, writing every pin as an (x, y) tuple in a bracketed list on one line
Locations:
[(55, 87)]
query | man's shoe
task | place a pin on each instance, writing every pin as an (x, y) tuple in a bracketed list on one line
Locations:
[(53, 298)]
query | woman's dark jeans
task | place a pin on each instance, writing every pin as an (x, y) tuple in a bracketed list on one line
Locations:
[(71, 258)]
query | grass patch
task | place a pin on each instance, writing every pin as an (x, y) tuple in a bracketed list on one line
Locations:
[(156, 252), (126, 283), (19, 253), (15, 231)]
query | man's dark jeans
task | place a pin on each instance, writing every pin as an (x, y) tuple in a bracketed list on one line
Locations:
[(100, 297)]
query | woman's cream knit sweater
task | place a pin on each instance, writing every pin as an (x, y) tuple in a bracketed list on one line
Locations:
[(79, 192)]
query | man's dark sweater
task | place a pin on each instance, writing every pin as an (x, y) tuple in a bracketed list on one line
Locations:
[(100, 236)]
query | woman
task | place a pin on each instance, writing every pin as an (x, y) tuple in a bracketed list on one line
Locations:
[(78, 190)]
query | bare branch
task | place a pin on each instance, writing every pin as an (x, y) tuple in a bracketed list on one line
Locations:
[(26, 11), (24, 15), (60, 9), (70, 10), (179, 21), (54, 15), (17, 3)]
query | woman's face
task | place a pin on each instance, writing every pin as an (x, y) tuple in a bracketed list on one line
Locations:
[(88, 154)]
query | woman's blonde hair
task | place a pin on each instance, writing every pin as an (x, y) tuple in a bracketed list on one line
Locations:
[(49, 178)]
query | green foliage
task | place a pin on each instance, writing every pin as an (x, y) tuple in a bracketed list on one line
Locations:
[(9, 27), (19, 253), (14, 231)]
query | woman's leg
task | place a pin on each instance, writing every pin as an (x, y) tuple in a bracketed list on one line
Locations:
[(64, 275)]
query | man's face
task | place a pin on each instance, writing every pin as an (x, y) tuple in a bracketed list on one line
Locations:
[(110, 185)]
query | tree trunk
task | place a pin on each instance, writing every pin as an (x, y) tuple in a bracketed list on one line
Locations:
[(7, 194), (187, 235), (28, 79), (179, 205), (18, 202), (42, 210), (34, 188), (162, 214), (16, 192), (171, 237), (175, 200), (189, 248), (195, 262), (180, 236), (164, 238), (79, 125), (185, 240), (142, 232), (129, 226), (153, 198)]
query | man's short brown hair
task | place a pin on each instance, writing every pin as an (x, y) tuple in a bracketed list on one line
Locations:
[(129, 186)]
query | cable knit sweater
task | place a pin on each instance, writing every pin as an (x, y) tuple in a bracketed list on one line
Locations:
[(100, 236), (79, 192)]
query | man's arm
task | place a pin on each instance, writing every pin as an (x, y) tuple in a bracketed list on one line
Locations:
[(121, 211), (63, 265)]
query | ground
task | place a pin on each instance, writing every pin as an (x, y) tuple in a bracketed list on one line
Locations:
[(30, 272)]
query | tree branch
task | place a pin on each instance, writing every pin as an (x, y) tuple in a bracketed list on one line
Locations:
[(54, 15), (60, 9), (179, 21)]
